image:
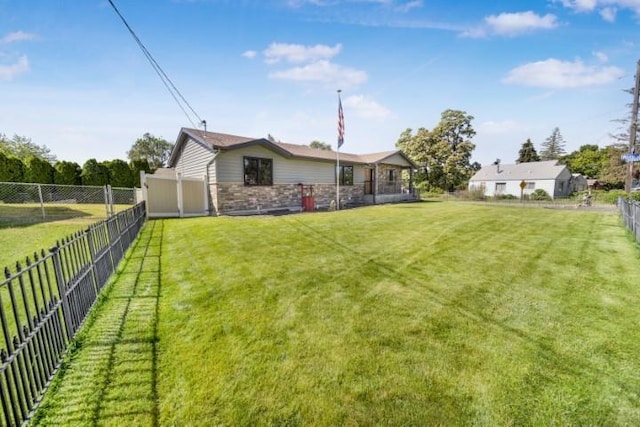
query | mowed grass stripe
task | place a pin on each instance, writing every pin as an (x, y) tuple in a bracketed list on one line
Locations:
[(432, 313)]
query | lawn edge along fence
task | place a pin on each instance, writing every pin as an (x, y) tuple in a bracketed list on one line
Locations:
[(630, 211), (45, 302)]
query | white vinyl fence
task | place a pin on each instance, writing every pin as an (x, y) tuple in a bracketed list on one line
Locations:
[(172, 195)]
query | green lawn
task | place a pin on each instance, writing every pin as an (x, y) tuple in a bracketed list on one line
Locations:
[(420, 314), (23, 230)]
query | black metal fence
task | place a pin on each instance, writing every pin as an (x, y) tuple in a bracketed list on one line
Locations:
[(45, 301), (630, 211)]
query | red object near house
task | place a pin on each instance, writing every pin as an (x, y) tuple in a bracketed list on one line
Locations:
[(308, 201)]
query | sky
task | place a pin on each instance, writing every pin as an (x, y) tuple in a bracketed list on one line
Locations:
[(73, 78)]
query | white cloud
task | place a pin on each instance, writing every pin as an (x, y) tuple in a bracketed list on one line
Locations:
[(512, 24), (297, 53), (324, 72), (365, 107), (406, 7), (602, 57), (8, 72), (17, 36), (609, 14), (517, 23), (250, 54), (606, 8), (556, 74)]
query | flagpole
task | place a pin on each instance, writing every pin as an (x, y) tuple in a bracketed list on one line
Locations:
[(340, 141)]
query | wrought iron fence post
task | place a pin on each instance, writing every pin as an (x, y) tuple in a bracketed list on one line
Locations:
[(62, 289)]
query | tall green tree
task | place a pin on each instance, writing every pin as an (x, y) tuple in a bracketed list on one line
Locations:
[(120, 174), (443, 153), (155, 150), (23, 148), (11, 168), (94, 173), (589, 160), (67, 173), (38, 170), (553, 146), (528, 153), (614, 171), (319, 145)]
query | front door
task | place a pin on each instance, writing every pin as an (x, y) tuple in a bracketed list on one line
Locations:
[(368, 181)]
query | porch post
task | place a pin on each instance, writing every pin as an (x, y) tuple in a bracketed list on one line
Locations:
[(375, 184), (411, 181)]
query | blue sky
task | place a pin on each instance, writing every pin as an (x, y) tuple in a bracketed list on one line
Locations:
[(72, 78)]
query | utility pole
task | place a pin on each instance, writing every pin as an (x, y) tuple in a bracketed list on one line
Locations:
[(633, 130)]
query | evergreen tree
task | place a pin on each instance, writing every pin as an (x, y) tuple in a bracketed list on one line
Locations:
[(120, 174), (67, 173), (553, 146), (136, 167), (11, 168), (94, 173), (528, 153), (38, 170)]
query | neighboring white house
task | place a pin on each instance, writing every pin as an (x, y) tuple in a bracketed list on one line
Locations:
[(501, 179)]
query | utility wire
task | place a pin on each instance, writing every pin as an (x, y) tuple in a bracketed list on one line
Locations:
[(173, 90)]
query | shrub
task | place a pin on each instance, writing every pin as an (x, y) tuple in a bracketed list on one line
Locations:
[(505, 197), (611, 197), (539, 194), (635, 196), (475, 193)]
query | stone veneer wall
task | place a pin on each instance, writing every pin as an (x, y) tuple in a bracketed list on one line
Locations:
[(386, 187), (228, 198), (325, 193)]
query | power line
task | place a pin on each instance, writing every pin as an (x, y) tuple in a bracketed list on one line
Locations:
[(171, 87)]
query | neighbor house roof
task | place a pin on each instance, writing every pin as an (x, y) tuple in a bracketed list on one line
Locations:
[(549, 169), (222, 141)]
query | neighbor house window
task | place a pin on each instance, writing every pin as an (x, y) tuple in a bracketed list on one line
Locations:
[(392, 175), (531, 186), (346, 175), (258, 171), (501, 187)]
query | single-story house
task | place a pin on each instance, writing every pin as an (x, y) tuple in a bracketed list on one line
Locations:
[(247, 175), (500, 179), (579, 182)]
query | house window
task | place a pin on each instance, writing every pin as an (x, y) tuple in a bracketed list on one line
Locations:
[(501, 187), (531, 186), (392, 175), (258, 171), (346, 175)]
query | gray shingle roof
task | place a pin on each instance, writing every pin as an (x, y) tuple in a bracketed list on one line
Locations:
[(549, 169), (222, 141)]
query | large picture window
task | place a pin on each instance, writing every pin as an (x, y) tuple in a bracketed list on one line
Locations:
[(258, 171), (346, 175)]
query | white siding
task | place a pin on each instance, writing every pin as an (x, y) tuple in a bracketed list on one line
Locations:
[(230, 168), (513, 187), (192, 161)]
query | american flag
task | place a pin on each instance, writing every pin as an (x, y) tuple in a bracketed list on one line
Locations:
[(340, 123)]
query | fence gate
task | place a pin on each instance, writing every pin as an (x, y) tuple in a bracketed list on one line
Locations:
[(169, 194)]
